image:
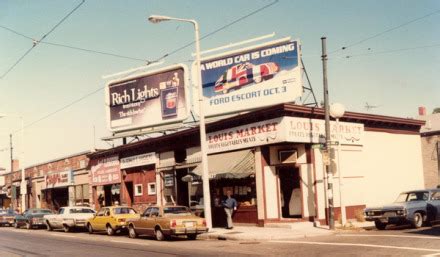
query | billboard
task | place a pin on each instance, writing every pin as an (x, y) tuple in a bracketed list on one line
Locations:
[(250, 78), (149, 99), (106, 171)]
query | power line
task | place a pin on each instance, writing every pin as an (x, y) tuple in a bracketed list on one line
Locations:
[(36, 42), (95, 51), (149, 62), (385, 31), (73, 47), (62, 108), (391, 51), (15, 32), (220, 29)]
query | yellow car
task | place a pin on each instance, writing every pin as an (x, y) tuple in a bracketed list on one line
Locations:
[(111, 219), (165, 221)]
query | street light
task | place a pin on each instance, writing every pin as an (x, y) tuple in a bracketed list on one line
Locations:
[(23, 186), (205, 173), (337, 110)]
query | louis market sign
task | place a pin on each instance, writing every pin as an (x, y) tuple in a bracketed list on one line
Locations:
[(284, 129)]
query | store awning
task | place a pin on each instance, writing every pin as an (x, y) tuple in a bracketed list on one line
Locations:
[(239, 164)]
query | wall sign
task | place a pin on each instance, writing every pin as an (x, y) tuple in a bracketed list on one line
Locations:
[(138, 160), (284, 129), (59, 179), (106, 171)]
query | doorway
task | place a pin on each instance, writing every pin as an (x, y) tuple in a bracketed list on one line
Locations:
[(290, 192), (182, 187), (129, 186)]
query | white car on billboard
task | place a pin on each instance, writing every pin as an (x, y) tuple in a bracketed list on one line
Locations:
[(244, 74)]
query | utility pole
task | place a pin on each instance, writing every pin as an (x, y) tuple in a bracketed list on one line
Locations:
[(12, 170), (331, 216)]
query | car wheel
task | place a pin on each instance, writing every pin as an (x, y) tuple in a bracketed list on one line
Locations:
[(16, 225), (66, 228), (90, 228), (110, 230), (131, 232), (160, 235), (28, 225), (380, 225), (417, 220), (48, 226), (191, 236)]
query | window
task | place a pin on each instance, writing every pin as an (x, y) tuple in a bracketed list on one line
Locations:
[(100, 212), (147, 212), (151, 188), (124, 210), (435, 196), (61, 211), (81, 210), (138, 190), (154, 212)]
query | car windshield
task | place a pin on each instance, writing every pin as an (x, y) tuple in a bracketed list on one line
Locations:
[(43, 211), (124, 211), (181, 210), (412, 196), (81, 210)]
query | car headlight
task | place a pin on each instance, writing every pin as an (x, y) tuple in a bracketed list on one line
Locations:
[(370, 213), (400, 212)]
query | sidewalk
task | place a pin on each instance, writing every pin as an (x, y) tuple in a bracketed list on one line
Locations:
[(247, 233)]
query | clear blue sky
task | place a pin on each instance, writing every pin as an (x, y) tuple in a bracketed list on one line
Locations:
[(50, 77)]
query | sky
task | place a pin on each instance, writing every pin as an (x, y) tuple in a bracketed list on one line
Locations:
[(50, 77)]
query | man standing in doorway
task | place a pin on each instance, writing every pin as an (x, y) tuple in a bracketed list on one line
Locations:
[(230, 205)]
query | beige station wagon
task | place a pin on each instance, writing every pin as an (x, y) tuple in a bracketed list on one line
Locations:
[(165, 221)]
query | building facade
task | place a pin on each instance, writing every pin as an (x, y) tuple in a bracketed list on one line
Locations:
[(273, 162)]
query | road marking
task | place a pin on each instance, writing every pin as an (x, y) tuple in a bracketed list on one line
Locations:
[(359, 245), (431, 255), (128, 242), (401, 236)]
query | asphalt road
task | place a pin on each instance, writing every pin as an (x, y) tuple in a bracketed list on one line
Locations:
[(395, 242)]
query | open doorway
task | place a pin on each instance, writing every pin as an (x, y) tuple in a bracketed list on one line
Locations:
[(182, 187), (290, 192)]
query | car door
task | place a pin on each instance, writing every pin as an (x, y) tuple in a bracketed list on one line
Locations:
[(57, 219), (142, 226), (98, 219), (435, 205), (151, 220)]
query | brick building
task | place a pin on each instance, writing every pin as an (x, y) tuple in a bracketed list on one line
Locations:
[(430, 136)]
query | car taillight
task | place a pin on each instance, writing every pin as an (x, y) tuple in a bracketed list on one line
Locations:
[(121, 220), (34, 219), (173, 223), (204, 222)]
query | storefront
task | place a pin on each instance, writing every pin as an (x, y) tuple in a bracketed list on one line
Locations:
[(55, 193), (138, 187), (273, 161), (106, 181)]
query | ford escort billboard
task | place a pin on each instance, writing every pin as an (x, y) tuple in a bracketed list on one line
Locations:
[(250, 78), (149, 99)]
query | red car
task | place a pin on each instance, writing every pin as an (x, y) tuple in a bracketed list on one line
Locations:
[(243, 74)]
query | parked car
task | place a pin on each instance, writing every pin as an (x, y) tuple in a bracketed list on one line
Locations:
[(111, 219), (243, 74), (7, 217), (413, 207), (165, 221), (31, 218), (69, 218)]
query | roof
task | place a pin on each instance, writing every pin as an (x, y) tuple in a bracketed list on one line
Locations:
[(378, 122)]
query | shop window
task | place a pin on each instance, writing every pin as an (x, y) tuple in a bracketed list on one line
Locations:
[(138, 190), (151, 188)]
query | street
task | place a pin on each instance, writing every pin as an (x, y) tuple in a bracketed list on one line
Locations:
[(394, 242)]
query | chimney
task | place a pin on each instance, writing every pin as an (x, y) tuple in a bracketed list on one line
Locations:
[(422, 111), (15, 165)]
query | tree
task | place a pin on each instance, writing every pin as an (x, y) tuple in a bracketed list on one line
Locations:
[(436, 110)]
